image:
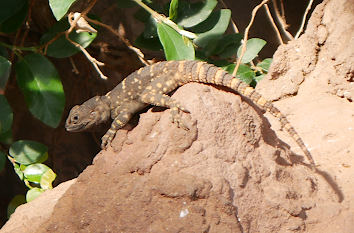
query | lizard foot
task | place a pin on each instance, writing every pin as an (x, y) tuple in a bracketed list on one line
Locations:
[(176, 117), (106, 140)]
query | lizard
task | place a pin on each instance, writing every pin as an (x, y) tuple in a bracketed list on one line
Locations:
[(150, 85)]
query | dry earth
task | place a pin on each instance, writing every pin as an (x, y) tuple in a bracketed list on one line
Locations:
[(230, 172)]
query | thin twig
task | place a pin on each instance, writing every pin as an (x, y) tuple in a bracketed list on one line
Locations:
[(73, 24), (16, 48), (232, 21), (93, 61), (12, 56), (273, 23), (282, 9), (281, 21), (27, 22), (45, 46), (304, 19), (75, 70), (87, 10), (244, 47), (122, 38), (164, 19)]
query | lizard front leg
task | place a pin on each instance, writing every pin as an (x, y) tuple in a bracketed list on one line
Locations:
[(118, 122)]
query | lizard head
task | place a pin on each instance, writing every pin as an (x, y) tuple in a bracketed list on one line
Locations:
[(92, 112)]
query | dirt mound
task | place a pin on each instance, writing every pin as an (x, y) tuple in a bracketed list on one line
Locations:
[(221, 176), (230, 172)]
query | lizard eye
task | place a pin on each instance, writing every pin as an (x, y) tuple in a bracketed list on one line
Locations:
[(75, 118)]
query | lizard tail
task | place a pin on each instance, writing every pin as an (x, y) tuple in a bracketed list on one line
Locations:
[(207, 73)]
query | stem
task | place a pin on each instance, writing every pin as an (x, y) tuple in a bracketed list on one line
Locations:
[(304, 19), (148, 9), (15, 48), (273, 23), (281, 19), (164, 19), (232, 21), (245, 38), (27, 183)]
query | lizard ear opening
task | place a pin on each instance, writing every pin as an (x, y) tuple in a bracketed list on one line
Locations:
[(93, 115)]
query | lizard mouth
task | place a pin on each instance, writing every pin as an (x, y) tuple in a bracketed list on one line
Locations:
[(75, 128)]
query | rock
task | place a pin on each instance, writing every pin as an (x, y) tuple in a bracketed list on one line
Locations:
[(30, 216), (228, 173)]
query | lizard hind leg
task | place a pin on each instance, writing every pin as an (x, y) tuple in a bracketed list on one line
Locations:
[(163, 100)]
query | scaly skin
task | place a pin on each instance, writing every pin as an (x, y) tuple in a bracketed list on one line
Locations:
[(150, 85)]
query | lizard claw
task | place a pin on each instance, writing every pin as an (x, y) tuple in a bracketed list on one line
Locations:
[(106, 140), (177, 118)]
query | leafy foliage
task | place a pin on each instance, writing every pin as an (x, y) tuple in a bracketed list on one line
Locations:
[(27, 157), (175, 46), (12, 14), (42, 88), (6, 115), (254, 45), (61, 47), (60, 7), (14, 203), (209, 41), (28, 152), (5, 66), (192, 14)]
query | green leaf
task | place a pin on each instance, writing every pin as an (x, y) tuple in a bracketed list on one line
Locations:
[(6, 115), (5, 66), (28, 152), (18, 171), (62, 48), (22, 167), (227, 45), (2, 160), (173, 11), (212, 28), (254, 45), (259, 77), (14, 203), (191, 14), (60, 7), (175, 46), (6, 137), (47, 179), (15, 21), (40, 83), (265, 64), (126, 3), (35, 171), (3, 52), (33, 194), (152, 44), (244, 73), (150, 30), (9, 8)]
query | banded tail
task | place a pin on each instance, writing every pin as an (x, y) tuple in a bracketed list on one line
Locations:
[(194, 71)]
